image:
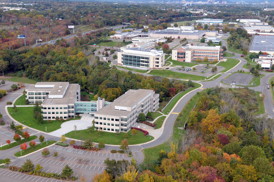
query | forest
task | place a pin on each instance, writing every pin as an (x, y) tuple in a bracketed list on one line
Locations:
[(57, 63), (239, 39), (230, 144)]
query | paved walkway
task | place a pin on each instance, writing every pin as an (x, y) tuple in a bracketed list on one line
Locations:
[(82, 124)]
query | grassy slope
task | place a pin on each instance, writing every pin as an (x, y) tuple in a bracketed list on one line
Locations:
[(171, 74)]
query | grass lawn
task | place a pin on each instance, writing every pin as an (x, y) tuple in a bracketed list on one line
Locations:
[(230, 63), (176, 98), (32, 149), (109, 138), (171, 74), (159, 122), (20, 80), (14, 144), (178, 63), (256, 81), (132, 69), (228, 54), (272, 89), (152, 154), (231, 49), (21, 100), (260, 99), (213, 77), (113, 44), (155, 115), (25, 115)]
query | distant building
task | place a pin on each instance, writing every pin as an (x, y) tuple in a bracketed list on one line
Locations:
[(265, 61), (214, 40), (194, 53), (210, 21), (263, 44), (122, 113), (61, 100), (141, 58)]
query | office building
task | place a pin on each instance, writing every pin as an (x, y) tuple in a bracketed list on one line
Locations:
[(197, 53), (210, 21), (122, 113), (61, 100), (141, 56)]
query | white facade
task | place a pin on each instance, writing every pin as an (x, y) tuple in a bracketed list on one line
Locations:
[(122, 113), (141, 55), (210, 21)]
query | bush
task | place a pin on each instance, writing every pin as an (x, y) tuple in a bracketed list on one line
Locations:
[(121, 151), (45, 152), (113, 151), (55, 154), (139, 129), (72, 142), (62, 144), (101, 145), (16, 137), (9, 103), (32, 143)]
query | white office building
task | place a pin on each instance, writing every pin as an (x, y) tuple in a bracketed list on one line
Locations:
[(210, 21), (122, 113)]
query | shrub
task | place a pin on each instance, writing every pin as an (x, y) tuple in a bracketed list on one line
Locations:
[(113, 151), (101, 145), (9, 103), (26, 135), (8, 141), (121, 151), (149, 124), (32, 143), (62, 144), (45, 152), (139, 129), (72, 142), (55, 154), (16, 137), (41, 138), (28, 166)]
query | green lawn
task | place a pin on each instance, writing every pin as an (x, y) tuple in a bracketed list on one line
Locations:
[(256, 81), (155, 115), (109, 138), (228, 54), (20, 80), (175, 99), (238, 51), (260, 99), (230, 63), (159, 122), (25, 115), (33, 149), (21, 100), (152, 154), (178, 63), (171, 74), (272, 89), (132, 69), (113, 44), (14, 144)]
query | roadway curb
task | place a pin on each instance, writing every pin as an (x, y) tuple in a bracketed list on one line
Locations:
[(36, 151)]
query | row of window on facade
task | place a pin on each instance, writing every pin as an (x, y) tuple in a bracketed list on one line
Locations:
[(38, 93), (58, 112), (69, 107), (109, 119)]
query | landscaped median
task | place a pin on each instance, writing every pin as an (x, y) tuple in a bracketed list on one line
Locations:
[(172, 74), (14, 144), (159, 122), (176, 98), (34, 148), (110, 138)]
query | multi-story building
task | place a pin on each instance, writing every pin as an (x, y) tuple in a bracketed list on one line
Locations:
[(61, 100), (122, 114), (141, 56), (210, 21), (197, 53)]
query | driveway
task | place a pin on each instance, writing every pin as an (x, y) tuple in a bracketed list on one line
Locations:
[(84, 123)]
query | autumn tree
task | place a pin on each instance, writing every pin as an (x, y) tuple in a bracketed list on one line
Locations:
[(211, 123), (124, 144), (28, 166), (104, 177)]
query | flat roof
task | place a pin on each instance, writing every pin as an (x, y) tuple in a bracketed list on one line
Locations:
[(54, 88), (130, 99), (69, 97), (262, 43)]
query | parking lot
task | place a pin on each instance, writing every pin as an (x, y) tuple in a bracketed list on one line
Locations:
[(238, 79), (84, 163)]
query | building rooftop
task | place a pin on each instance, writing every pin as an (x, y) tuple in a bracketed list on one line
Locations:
[(54, 88), (262, 43), (202, 47), (123, 104), (69, 97)]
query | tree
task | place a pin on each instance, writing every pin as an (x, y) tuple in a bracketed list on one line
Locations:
[(263, 165), (45, 152), (250, 153), (88, 144), (149, 116), (12, 126), (223, 139), (141, 117), (41, 138), (72, 142), (133, 131), (3, 66), (8, 141), (116, 168), (211, 123), (101, 145), (16, 137), (124, 144), (67, 172), (14, 87), (32, 143), (232, 148), (104, 177), (63, 138), (26, 135), (28, 166), (130, 175), (38, 168)]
